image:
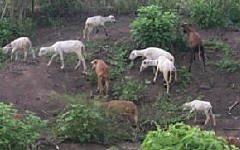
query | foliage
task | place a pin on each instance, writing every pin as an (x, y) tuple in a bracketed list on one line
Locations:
[(128, 89), (227, 63), (10, 30), (3, 58), (183, 137), (154, 27), (207, 13), (212, 13), (87, 123), (18, 133), (118, 60), (184, 75)]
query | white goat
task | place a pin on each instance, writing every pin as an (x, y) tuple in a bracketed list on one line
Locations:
[(164, 65), (200, 106), (95, 22), (69, 46), (20, 44), (151, 53)]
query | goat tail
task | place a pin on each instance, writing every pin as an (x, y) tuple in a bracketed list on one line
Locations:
[(212, 116)]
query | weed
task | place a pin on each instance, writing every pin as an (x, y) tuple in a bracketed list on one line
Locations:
[(128, 89), (184, 75)]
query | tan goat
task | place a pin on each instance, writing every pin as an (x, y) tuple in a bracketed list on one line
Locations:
[(102, 71), (124, 107)]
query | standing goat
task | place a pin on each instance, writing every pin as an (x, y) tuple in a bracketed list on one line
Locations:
[(164, 65), (200, 106), (20, 44), (195, 44), (69, 46), (102, 71), (96, 22)]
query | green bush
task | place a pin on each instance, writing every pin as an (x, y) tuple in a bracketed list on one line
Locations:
[(10, 30), (18, 133), (228, 64), (207, 13), (128, 89), (84, 123), (183, 137), (154, 27)]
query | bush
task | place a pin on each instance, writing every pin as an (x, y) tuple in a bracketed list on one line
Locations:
[(184, 137), (18, 133), (10, 30), (207, 13), (154, 27), (85, 123), (128, 89)]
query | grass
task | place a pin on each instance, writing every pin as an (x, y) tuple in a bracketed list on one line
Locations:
[(227, 63)]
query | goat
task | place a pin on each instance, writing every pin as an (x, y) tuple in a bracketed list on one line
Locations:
[(200, 106), (195, 44), (69, 46), (124, 107), (164, 65), (95, 22), (20, 44), (102, 71), (151, 53)]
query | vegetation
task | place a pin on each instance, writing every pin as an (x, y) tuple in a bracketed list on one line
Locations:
[(184, 137), (184, 76), (128, 89), (154, 23), (17, 133), (87, 122), (227, 63)]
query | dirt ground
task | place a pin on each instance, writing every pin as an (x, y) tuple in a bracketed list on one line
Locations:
[(28, 85)]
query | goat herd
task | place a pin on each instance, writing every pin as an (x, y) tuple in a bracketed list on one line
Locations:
[(156, 57)]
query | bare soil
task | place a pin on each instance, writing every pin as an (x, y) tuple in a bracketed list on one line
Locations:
[(29, 85)]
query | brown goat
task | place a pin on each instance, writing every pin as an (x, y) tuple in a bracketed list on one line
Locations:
[(195, 44), (102, 71), (124, 107)]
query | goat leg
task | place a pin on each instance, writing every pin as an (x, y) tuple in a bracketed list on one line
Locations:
[(191, 60)]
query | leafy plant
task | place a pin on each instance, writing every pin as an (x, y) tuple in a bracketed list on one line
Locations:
[(10, 30), (154, 27), (184, 137), (17, 133), (207, 13), (184, 75), (228, 64), (128, 89), (85, 123)]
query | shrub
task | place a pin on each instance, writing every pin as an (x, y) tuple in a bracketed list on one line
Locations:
[(128, 89), (228, 64), (207, 13), (154, 27), (18, 133), (184, 137), (10, 30), (87, 123)]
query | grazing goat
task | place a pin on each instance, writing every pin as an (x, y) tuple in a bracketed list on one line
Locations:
[(95, 22), (124, 107), (151, 53), (195, 44), (102, 71), (200, 106), (20, 44), (164, 65), (69, 46)]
